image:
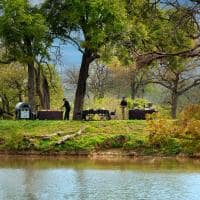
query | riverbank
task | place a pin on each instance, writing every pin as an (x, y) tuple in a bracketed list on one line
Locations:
[(80, 138)]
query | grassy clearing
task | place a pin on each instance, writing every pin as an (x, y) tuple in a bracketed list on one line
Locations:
[(98, 135), (18, 136)]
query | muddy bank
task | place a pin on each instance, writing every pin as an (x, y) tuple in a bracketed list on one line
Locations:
[(101, 154)]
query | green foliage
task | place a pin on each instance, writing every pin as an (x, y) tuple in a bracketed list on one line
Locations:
[(137, 103), (21, 26), (12, 84), (171, 147), (190, 147), (153, 29), (135, 143), (114, 141), (191, 112), (55, 85), (100, 21), (164, 33), (22, 135), (161, 137), (164, 111), (173, 137)]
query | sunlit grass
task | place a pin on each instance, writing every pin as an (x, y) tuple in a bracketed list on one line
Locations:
[(97, 134)]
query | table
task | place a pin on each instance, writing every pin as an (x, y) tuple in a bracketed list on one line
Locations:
[(89, 114), (139, 113), (50, 115)]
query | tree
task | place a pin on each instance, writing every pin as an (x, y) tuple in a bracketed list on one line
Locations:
[(70, 78), (100, 80), (98, 83), (48, 85), (23, 37), (155, 34), (178, 76), (13, 82), (97, 22), (42, 86)]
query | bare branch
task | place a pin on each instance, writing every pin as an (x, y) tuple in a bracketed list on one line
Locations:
[(146, 59)]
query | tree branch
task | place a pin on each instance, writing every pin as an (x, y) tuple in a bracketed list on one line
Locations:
[(194, 84), (146, 59)]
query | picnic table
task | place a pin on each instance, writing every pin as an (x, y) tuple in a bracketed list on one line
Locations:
[(140, 113), (50, 115), (90, 113)]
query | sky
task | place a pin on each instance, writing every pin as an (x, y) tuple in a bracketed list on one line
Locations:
[(70, 57)]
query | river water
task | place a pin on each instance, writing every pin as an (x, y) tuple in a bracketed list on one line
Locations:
[(47, 178)]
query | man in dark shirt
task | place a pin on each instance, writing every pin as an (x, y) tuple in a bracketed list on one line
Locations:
[(67, 107), (123, 105)]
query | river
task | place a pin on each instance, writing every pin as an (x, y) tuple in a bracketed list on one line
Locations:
[(59, 178)]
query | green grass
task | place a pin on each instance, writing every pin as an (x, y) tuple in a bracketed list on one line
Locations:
[(97, 135)]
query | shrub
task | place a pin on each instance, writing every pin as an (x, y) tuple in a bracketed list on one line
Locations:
[(171, 147), (161, 131), (172, 136), (191, 112), (138, 102)]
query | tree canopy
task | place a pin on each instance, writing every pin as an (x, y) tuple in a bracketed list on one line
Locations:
[(23, 37), (21, 24)]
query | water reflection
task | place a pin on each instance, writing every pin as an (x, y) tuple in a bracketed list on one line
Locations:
[(60, 178)]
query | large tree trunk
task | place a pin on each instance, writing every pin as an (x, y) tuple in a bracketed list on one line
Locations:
[(133, 87), (81, 86), (42, 89), (38, 86), (31, 84), (46, 93), (31, 72), (174, 104), (5, 103)]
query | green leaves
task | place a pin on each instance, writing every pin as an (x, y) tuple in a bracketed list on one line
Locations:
[(99, 21), (20, 23)]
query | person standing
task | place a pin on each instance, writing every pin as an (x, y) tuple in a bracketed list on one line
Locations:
[(123, 105), (67, 107)]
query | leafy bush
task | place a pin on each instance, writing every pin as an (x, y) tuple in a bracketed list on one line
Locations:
[(191, 112), (171, 147), (134, 144), (172, 136), (164, 111), (115, 141), (161, 131), (139, 103)]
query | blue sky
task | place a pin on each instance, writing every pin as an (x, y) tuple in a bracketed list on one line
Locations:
[(70, 56)]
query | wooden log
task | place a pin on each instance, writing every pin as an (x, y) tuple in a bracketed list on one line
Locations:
[(45, 137), (67, 137)]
